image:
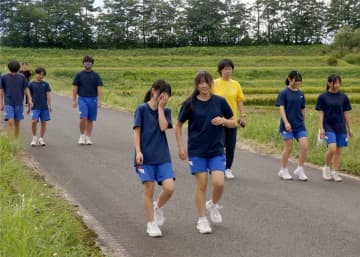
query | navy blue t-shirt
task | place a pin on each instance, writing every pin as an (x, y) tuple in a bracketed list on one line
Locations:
[(14, 87), (87, 83), (293, 102), (38, 92), (204, 138), (334, 105), (153, 141)]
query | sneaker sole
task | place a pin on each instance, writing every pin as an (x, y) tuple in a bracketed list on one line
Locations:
[(154, 235), (205, 231)]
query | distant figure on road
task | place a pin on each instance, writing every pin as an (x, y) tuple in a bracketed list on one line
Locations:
[(152, 155), (232, 92), (207, 115), (25, 70), (291, 101), (334, 121), (12, 88), (87, 84), (40, 94)]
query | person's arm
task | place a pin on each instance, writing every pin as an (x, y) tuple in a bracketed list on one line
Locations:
[(321, 124), (242, 120), (163, 123), (48, 97), (284, 118), (99, 91), (181, 148), (75, 92), (139, 155), (348, 123), (1, 99), (28, 95)]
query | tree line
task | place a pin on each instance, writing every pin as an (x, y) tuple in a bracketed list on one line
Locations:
[(172, 23)]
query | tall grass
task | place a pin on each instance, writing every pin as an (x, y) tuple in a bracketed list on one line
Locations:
[(34, 219)]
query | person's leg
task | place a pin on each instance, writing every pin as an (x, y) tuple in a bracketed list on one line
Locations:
[(88, 128), (286, 153), (17, 128), (34, 127), (148, 195), (217, 185), (11, 127), (200, 192), (230, 143), (303, 142), (42, 129), (337, 159), (82, 125), (168, 187), (331, 149)]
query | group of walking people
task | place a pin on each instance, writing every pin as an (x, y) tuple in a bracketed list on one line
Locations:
[(16, 85), (213, 112)]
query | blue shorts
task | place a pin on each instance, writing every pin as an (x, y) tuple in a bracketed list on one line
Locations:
[(286, 135), (341, 140), (13, 112), (157, 173), (88, 107), (202, 164), (43, 115)]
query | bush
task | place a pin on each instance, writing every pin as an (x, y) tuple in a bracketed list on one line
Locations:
[(352, 59), (332, 61)]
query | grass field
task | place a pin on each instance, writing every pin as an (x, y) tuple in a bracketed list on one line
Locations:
[(128, 74), (34, 219)]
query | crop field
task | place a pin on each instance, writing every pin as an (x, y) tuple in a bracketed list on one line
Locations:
[(261, 71)]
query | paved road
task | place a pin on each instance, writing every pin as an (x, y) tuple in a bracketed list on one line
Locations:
[(263, 216)]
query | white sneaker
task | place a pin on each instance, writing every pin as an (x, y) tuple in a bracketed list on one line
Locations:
[(203, 226), (42, 142), (284, 174), (229, 174), (159, 215), (300, 173), (153, 229), (335, 176), (34, 142), (213, 209), (82, 140), (88, 140), (326, 174)]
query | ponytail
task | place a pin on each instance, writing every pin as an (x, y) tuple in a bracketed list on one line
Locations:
[(147, 96)]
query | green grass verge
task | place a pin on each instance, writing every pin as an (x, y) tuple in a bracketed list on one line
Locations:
[(34, 219)]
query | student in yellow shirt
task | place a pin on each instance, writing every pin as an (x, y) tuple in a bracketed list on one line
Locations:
[(232, 92)]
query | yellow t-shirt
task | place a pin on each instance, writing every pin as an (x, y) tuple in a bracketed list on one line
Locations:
[(231, 91)]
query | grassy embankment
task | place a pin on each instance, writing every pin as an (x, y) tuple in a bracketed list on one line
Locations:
[(127, 74), (34, 219)]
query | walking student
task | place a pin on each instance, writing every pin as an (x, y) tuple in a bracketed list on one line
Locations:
[(152, 156), (40, 94), (335, 125), (12, 88), (207, 117), (87, 85), (291, 102), (232, 92)]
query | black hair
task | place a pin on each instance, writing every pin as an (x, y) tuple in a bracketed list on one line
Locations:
[(40, 70), (200, 77), (293, 75), (332, 79), (223, 63), (88, 58), (14, 66), (160, 85)]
